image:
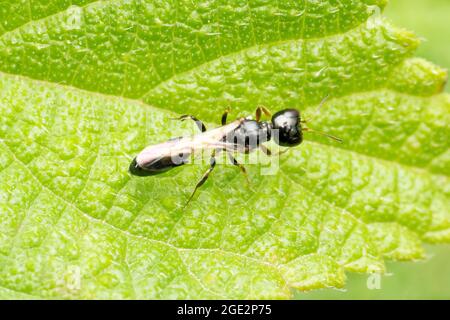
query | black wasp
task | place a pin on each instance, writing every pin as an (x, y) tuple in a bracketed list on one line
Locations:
[(242, 135)]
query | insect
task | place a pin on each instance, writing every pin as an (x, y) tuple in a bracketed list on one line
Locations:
[(242, 135)]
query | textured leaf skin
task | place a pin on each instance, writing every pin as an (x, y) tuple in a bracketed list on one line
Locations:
[(68, 203)]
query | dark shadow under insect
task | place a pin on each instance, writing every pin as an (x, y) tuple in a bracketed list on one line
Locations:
[(242, 135)]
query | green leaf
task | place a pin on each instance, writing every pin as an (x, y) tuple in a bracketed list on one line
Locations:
[(75, 224), (415, 15)]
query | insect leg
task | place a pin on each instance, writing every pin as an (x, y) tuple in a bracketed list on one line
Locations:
[(241, 167), (201, 126), (260, 110), (269, 153), (212, 163), (265, 150), (224, 116)]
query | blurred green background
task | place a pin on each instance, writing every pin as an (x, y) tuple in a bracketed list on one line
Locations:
[(430, 20), (430, 279)]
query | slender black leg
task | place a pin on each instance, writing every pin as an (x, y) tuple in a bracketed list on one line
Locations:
[(259, 111), (269, 153), (265, 150), (212, 163), (241, 167), (201, 126), (224, 116)]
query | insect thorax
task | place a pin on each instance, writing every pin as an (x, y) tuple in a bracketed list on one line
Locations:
[(250, 134)]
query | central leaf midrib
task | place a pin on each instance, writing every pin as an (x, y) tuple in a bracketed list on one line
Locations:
[(423, 170)]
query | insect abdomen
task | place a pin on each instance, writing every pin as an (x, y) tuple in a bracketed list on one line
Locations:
[(155, 167)]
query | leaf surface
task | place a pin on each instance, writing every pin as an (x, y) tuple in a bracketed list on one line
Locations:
[(84, 88)]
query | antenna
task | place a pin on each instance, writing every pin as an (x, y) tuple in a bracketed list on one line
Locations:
[(323, 134), (317, 109), (306, 129)]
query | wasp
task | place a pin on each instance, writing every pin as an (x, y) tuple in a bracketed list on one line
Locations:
[(243, 135)]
